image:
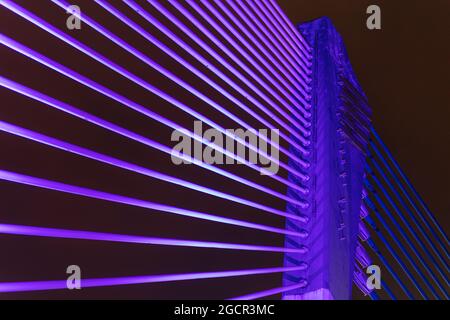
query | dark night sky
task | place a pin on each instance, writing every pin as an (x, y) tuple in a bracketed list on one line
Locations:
[(404, 70)]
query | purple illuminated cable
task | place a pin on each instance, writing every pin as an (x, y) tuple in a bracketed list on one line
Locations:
[(279, 25), (296, 85), (273, 49), (299, 58), (131, 135), (103, 282), (256, 30), (271, 292), (137, 107), (186, 86), (229, 53), (113, 237), (178, 41), (303, 45), (294, 62), (216, 41), (180, 82), (202, 76), (95, 194), (218, 57), (287, 25), (289, 72), (299, 85), (278, 32), (215, 26), (125, 101), (68, 147)]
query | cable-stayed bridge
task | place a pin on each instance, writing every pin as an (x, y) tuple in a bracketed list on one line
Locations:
[(88, 177)]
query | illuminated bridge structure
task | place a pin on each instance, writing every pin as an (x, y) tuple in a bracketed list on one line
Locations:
[(87, 177)]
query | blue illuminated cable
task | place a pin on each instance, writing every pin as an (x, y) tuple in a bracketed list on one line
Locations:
[(398, 242), (288, 26), (62, 106), (371, 222), (122, 99), (167, 73), (413, 218), (303, 141), (68, 147), (298, 125), (400, 229), (120, 199), (373, 295), (414, 192), (371, 244), (248, 12), (270, 14), (215, 26), (261, 13), (388, 290), (241, 29), (183, 62)]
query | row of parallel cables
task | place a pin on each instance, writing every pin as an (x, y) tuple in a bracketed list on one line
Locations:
[(400, 232), (246, 55)]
